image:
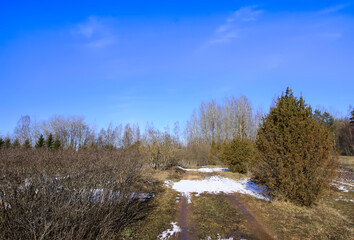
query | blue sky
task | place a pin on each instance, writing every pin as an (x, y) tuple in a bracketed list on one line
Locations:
[(139, 61)]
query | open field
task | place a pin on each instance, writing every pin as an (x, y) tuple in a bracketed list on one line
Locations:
[(235, 215), (347, 162), (145, 120), (194, 203)]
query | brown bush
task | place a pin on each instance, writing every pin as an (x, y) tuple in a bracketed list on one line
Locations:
[(69, 194), (344, 132), (214, 153), (194, 155)]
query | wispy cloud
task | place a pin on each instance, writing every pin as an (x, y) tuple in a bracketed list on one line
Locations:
[(95, 33), (330, 35), (231, 28), (333, 9)]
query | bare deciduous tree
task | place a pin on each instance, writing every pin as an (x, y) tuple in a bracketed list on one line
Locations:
[(23, 129), (219, 123)]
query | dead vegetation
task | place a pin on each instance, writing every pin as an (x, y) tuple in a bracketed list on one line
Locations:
[(289, 221), (162, 211), (70, 194), (341, 194), (103, 194)]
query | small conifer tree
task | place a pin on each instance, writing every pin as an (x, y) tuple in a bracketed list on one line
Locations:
[(40, 142), (295, 156), (57, 144), (15, 144), (27, 144), (325, 118), (2, 142), (7, 143), (49, 142), (238, 154)]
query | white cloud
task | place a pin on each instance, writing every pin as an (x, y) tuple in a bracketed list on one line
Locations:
[(330, 35), (100, 43), (94, 33), (334, 9), (244, 14), (226, 37), (233, 24), (247, 14)]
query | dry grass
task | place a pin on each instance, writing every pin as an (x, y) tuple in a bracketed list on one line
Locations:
[(232, 175), (340, 201), (195, 175), (215, 216), (289, 221), (161, 214), (174, 174), (347, 162)]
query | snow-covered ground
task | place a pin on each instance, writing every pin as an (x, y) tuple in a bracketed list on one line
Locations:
[(205, 169), (169, 232), (219, 238), (343, 186), (215, 185), (344, 199)]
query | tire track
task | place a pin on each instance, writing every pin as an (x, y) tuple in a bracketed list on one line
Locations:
[(251, 223)]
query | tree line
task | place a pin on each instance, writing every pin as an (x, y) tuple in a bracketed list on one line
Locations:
[(210, 127), (288, 147)]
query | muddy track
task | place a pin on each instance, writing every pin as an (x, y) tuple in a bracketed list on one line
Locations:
[(251, 223), (256, 229), (183, 220), (188, 227)]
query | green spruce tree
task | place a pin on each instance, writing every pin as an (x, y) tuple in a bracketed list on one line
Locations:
[(295, 159), (15, 144), (325, 118), (57, 144), (7, 143), (27, 144), (238, 154), (40, 142), (2, 142), (50, 142)]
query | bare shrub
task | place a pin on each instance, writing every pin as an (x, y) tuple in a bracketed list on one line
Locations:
[(345, 137), (194, 155), (69, 194)]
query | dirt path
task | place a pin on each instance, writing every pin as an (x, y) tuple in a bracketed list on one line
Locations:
[(188, 227), (184, 214), (254, 226), (256, 229), (184, 220)]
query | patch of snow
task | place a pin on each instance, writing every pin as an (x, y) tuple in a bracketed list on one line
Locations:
[(340, 187), (343, 186), (168, 233), (219, 238), (217, 184), (99, 194), (168, 183), (205, 169), (345, 183), (345, 200)]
